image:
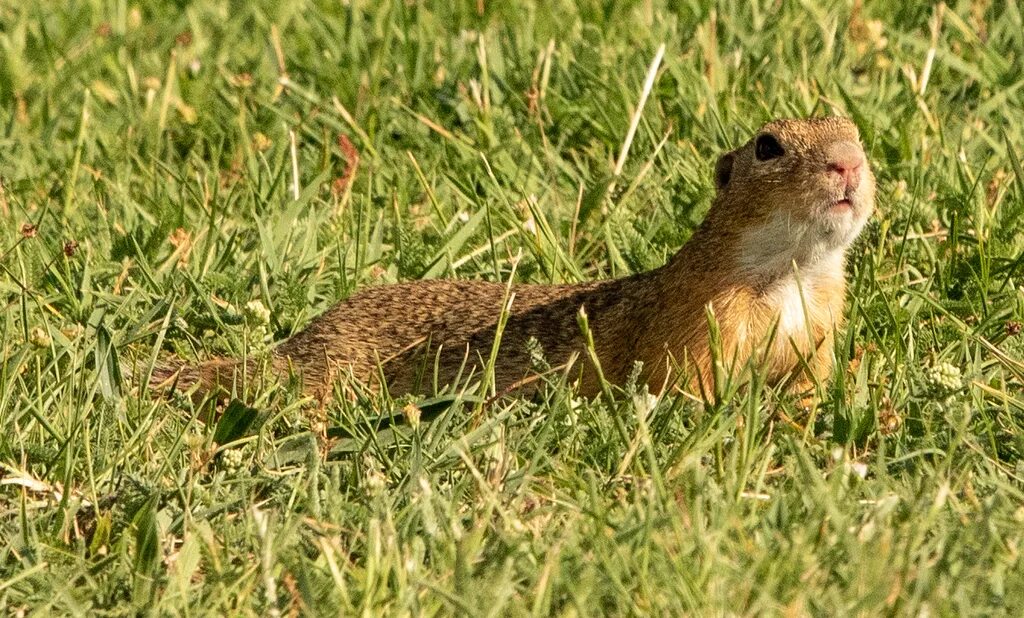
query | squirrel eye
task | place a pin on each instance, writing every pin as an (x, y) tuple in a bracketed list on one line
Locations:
[(767, 147)]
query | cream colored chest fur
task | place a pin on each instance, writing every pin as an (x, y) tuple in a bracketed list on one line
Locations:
[(803, 307)]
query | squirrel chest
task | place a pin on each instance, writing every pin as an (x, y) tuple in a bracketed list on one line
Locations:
[(790, 321)]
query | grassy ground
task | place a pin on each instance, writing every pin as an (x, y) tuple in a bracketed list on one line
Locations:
[(176, 161)]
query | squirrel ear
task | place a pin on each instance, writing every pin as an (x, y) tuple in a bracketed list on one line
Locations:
[(723, 170)]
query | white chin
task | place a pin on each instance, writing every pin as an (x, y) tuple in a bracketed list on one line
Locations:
[(839, 227)]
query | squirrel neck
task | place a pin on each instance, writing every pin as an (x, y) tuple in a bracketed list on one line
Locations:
[(752, 280), (723, 256), (705, 263)]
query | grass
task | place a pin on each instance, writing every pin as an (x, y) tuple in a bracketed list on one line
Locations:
[(179, 160)]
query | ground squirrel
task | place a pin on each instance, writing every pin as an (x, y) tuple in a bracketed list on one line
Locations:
[(768, 260)]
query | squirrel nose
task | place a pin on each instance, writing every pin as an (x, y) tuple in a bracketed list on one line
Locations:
[(846, 159)]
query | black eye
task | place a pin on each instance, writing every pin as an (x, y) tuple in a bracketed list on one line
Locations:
[(767, 147)]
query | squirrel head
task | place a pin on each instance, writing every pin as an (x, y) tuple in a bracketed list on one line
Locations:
[(798, 190)]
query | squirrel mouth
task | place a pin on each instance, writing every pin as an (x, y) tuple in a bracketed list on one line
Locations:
[(843, 202)]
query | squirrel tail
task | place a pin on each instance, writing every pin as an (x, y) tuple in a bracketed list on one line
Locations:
[(210, 378)]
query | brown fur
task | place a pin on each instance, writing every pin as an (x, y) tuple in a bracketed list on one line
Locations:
[(764, 242)]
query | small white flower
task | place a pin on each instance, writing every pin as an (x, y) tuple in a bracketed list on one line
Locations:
[(255, 311), (259, 337), (644, 402), (859, 468), (232, 459), (463, 216), (944, 379)]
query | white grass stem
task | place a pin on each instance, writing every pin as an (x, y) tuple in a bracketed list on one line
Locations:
[(295, 165), (652, 72)]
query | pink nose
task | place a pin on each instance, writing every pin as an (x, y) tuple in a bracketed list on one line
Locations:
[(847, 160)]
